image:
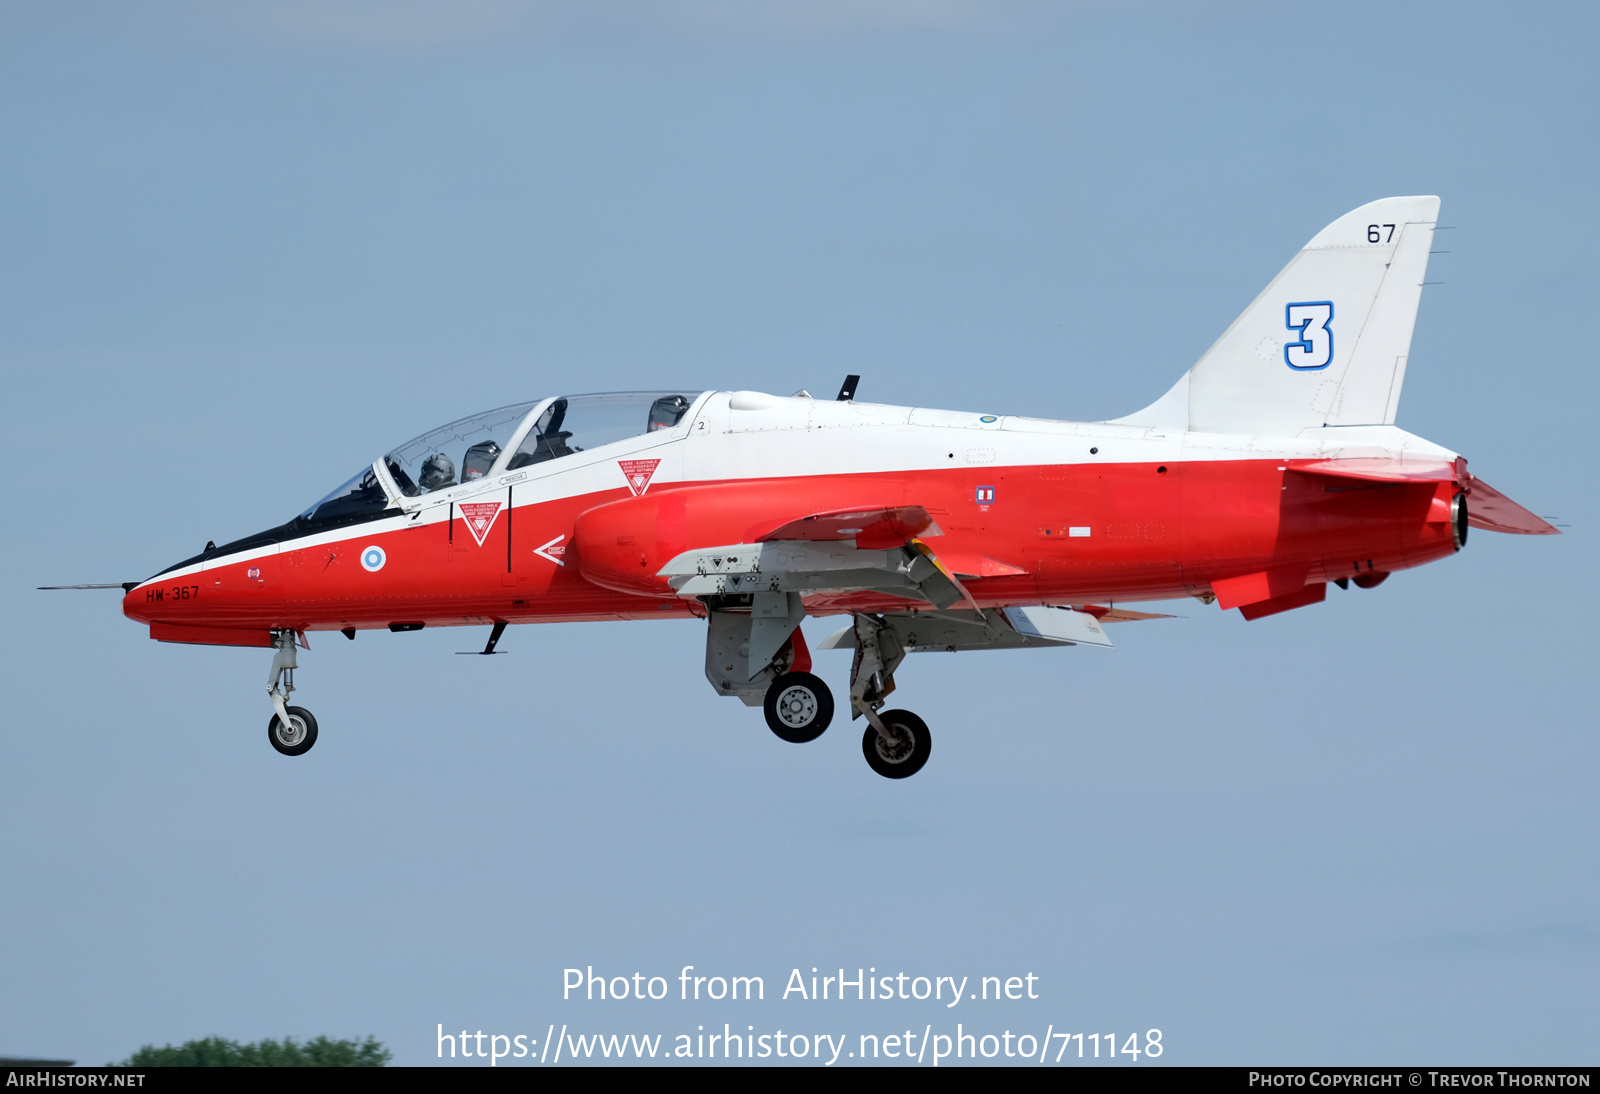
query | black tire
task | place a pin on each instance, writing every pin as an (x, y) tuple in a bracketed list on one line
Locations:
[(798, 707), (906, 759), (287, 743)]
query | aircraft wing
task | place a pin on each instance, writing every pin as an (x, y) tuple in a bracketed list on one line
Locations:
[(1001, 629), (886, 526), (824, 554), (807, 567)]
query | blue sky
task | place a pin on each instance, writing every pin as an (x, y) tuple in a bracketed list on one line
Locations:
[(245, 250)]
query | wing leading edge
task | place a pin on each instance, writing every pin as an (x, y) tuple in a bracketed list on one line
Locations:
[(865, 549)]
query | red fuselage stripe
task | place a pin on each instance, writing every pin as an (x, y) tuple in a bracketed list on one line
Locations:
[(1079, 534)]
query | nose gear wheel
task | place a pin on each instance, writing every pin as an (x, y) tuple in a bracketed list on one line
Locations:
[(297, 736), (292, 730)]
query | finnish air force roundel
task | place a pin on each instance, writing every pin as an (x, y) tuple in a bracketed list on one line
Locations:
[(479, 517), (638, 473)]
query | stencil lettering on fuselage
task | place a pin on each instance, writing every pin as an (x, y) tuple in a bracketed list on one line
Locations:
[(479, 517), (638, 473)]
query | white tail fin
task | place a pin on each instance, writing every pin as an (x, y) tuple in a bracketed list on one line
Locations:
[(1325, 343)]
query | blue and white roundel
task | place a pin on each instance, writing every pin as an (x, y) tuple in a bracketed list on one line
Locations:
[(373, 558)]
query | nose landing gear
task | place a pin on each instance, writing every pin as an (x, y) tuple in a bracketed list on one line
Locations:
[(296, 736), (292, 730)]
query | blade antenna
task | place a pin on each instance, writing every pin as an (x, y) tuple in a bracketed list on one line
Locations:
[(847, 393), (494, 640)]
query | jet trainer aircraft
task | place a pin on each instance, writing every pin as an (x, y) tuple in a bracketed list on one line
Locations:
[(1271, 468)]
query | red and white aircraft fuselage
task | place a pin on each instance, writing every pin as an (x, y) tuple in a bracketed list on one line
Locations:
[(1270, 470)]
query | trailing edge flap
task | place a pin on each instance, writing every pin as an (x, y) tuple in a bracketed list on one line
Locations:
[(869, 526), (1009, 628), (1489, 509)]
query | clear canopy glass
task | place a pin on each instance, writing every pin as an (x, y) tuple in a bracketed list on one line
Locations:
[(363, 494), (456, 453), (578, 423), (468, 449)]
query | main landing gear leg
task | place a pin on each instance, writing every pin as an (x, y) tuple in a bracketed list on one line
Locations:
[(896, 742), (292, 730), (756, 651)]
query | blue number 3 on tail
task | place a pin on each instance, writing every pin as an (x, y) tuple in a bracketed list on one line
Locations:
[(1314, 350)]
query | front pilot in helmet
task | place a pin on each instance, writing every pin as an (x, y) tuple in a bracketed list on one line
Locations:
[(437, 472)]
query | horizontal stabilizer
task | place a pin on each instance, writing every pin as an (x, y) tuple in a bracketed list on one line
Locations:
[(1486, 507), (1489, 509), (1380, 470), (888, 526)]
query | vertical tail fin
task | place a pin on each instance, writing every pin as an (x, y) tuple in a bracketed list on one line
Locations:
[(1325, 343)]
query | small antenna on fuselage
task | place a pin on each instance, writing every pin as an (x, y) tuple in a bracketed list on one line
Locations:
[(848, 391)]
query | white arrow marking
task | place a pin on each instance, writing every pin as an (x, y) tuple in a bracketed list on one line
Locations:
[(552, 550)]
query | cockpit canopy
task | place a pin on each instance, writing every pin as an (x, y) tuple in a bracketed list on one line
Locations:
[(576, 423), (454, 454), (361, 495), (467, 450), (463, 451)]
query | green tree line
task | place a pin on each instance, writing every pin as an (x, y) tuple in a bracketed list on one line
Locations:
[(220, 1052)]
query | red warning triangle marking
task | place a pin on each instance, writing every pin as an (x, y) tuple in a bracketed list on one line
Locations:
[(479, 517), (638, 473)]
